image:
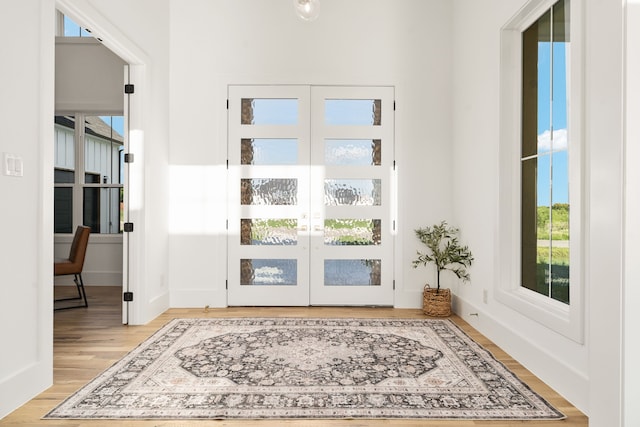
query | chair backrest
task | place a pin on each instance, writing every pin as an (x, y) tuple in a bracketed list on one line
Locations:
[(79, 246)]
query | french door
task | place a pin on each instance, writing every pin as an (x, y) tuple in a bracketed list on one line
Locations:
[(310, 197)]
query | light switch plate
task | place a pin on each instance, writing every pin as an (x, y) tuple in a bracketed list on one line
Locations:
[(13, 165)]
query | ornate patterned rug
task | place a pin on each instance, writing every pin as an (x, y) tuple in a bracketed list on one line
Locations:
[(307, 368)]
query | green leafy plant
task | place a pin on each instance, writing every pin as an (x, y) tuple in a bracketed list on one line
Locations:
[(445, 251)]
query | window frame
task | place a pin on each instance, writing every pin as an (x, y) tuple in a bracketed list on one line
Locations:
[(565, 319)]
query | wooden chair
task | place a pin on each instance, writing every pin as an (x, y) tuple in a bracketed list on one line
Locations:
[(73, 265)]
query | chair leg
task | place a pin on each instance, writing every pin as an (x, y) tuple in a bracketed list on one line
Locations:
[(82, 295), (80, 286)]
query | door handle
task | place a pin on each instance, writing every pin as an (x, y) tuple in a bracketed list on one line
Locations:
[(318, 228), (303, 228)]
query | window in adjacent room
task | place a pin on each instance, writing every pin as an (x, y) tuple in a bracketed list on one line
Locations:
[(89, 173), (70, 28)]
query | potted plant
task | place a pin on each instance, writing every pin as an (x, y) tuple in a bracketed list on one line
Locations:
[(446, 253)]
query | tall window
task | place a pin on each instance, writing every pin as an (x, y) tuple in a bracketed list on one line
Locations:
[(541, 165), (89, 165), (544, 159)]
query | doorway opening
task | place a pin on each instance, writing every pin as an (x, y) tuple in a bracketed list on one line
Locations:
[(90, 140)]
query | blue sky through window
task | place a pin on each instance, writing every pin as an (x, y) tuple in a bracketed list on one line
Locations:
[(275, 111), (117, 122), (71, 29), (559, 86), (552, 111)]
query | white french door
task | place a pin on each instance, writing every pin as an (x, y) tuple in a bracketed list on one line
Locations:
[(268, 228), (310, 197)]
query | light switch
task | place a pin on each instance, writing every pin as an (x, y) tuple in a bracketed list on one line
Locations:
[(13, 165)]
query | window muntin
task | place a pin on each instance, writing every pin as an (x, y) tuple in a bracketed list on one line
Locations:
[(544, 157)]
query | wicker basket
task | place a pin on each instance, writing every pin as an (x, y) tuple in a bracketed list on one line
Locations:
[(436, 302)]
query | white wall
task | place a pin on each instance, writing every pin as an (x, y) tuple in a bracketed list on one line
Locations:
[(102, 264), (605, 181), (589, 374), (443, 59), (631, 293), (26, 225), (631, 296), (405, 44)]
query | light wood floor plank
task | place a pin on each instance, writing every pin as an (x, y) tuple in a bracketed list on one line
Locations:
[(88, 341)]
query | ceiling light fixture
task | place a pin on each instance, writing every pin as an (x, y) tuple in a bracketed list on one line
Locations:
[(307, 9)]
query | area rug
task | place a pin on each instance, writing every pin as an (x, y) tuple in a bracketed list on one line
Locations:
[(307, 368)]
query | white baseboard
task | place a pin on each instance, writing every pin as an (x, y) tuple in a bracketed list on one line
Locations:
[(158, 305), (408, 299), (92, 278), (556, 373), (18, 389), (194, 298)]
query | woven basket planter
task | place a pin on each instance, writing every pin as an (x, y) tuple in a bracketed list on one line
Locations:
[(436, 303)]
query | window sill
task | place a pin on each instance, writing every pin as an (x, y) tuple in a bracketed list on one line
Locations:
[(559, 317)]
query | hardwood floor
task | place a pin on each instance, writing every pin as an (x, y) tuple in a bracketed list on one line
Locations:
[(87, 341)]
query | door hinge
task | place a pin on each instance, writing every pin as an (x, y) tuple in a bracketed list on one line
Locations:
[(128, 88), (227, 104), (128, 227), (394, 105), (226, 284), (394, 285), (394, 165), (127, 296), (128, 157)]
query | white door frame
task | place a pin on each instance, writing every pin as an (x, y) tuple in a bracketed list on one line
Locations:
[(134, 275)]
